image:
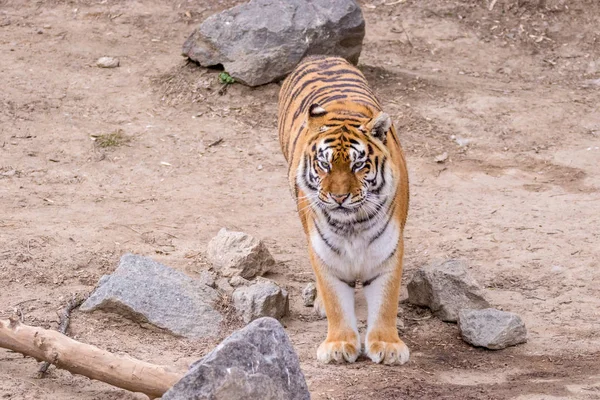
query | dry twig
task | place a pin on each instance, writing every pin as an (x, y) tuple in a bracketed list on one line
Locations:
[(63, 325)]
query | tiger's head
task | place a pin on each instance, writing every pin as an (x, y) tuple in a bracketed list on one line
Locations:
[(344, 170)]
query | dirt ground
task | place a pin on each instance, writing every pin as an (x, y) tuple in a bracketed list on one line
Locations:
[(509, 89)]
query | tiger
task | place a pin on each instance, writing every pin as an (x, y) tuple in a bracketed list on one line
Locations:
[(348, 175)]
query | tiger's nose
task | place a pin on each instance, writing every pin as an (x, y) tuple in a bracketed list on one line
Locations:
[(339, 198)]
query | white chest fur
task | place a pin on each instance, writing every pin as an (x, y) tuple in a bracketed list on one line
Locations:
[(356, 257)]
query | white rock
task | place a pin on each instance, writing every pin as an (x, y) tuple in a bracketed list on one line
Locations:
[(108, 62), (237, 253)]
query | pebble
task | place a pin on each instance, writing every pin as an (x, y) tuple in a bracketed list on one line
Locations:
[(108, 62), (309, 294)]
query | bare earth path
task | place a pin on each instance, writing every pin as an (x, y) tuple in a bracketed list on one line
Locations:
[(509, 94)]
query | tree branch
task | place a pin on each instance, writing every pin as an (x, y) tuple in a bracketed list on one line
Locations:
[(84, 359)]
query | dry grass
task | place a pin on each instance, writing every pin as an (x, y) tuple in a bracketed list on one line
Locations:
[(113, 139)]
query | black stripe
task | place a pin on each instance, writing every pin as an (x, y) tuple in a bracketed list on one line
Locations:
[(380, 232), (369, 281), (311, 98), (333, 248), (391, 254), (352, 284)]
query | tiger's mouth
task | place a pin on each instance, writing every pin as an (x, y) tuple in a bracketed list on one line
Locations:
[(352, 206)]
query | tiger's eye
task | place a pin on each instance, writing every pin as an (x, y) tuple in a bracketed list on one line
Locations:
[(358, 166), (324, 165)]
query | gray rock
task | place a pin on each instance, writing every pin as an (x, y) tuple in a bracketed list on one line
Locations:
[(237, 253), (207, 279), (237, 280), (263, 40), (256, 362), (148, 292), (446, 288), (309, 294), (223, 285), (262, 299), (108, 62), (491, 328)]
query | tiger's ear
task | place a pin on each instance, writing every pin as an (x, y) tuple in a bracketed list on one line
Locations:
[(315, 114), (316, 110), (379, 126)]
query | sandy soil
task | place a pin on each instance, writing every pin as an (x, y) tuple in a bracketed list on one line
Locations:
[(509, 94)]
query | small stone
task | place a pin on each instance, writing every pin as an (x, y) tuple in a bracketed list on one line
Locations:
[(261, 41), (462, 142), (309, 294), (262, 299), (592, 83), (237, 253), (399, 325), (491, 328), (224, 286), (144, 290), (256, 362), (446, 287), (441, 158), (108, 62), (237, 280), (207, 279)]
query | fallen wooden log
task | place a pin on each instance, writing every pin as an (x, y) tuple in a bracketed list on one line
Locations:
[(79, 358)]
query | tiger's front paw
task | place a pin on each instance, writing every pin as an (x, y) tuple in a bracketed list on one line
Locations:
[(338, 351), (387, 352)]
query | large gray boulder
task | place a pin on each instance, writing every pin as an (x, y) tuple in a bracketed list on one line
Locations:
[(148, 292), (261, 299), (446, 287), (237, 253), (491, 328), (256, 362), (263, 40)]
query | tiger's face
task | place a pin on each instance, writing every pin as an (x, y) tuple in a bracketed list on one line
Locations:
[(344, 171)]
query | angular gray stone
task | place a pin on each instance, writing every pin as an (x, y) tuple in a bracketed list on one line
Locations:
[(491, 328), (207, 279), (148, 292), (263, 40), (309, 294), (237, 280), (237, 253), (256, 362), (262, 299), (108, 62), (223, 285), (446, 287)]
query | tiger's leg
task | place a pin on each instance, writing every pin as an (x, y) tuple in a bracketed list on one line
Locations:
[(337, 298), (318, 306), (382, 343)]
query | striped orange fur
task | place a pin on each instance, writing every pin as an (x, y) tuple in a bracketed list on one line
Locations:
[(348, 175)]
